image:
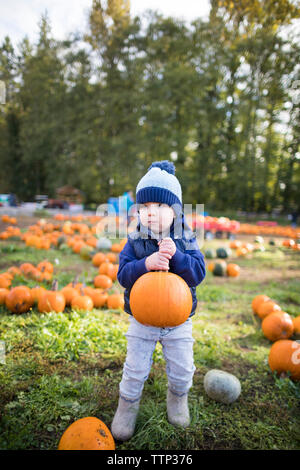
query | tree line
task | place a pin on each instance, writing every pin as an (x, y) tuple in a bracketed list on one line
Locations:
[(219, 97)]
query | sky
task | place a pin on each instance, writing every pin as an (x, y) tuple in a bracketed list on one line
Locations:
[(21, 17)]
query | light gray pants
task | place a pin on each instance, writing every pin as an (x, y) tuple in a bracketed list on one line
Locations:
[(177, 345)]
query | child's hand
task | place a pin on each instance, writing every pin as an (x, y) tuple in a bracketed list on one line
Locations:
[(167, 247), (157, 262)]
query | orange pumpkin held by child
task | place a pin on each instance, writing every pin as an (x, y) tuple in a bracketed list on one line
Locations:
[(160, 299), (87, 434)]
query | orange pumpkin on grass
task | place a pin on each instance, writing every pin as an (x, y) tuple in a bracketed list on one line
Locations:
[(241, 251), (235, 244), (161, 299), (14, 271), (109, 269), (116, 247), (98, 259), (115, 301), (278, 325), (98, 296), (45, 266), (258, 300), (37, 292), (103, 281), (296, 323), (19, 299), (3, 295), (113, 272), (69, 292), (233, 270), (87, 434), (211, 266), (284, 357), (5, 282), (266, 308), (52, 300), (26, 268), (82, 301), (105, 267), (112, 257)]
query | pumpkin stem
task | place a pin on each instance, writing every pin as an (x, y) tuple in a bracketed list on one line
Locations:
[(54, 285)]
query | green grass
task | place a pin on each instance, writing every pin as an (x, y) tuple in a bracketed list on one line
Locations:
[(62, 367)]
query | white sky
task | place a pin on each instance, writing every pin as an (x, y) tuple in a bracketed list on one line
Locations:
[(21, 17)]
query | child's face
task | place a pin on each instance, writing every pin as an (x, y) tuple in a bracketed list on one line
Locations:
[(158, 217)]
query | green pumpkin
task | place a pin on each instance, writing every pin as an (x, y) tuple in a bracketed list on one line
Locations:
[(272, 242), (223, 252), (61, 240), (210, 253), (258, 239), (86, 252), (64, 247), (220, 268)]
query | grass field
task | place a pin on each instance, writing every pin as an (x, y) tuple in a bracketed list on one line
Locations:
[(61, 367)]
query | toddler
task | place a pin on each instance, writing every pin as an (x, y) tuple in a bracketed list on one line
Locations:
[(162, 241)]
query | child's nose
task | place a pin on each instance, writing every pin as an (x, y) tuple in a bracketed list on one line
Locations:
[(151, 210)]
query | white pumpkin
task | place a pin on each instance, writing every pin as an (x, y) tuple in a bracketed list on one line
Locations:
[(222, 386), (104, 244)]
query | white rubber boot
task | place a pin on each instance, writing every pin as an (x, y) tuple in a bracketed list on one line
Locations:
[(123, 424), (178, 410)]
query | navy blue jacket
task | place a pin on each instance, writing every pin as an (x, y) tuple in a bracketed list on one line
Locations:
[(188, 261)]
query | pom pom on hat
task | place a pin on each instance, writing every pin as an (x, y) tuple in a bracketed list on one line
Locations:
[(164, 165), (159, 186)]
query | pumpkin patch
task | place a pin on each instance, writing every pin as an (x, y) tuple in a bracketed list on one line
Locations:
[(236, 324)]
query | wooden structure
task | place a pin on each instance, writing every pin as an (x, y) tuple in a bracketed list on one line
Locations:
[(70, 194)]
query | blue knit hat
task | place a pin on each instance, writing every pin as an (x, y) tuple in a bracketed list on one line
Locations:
[(159, 184)]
